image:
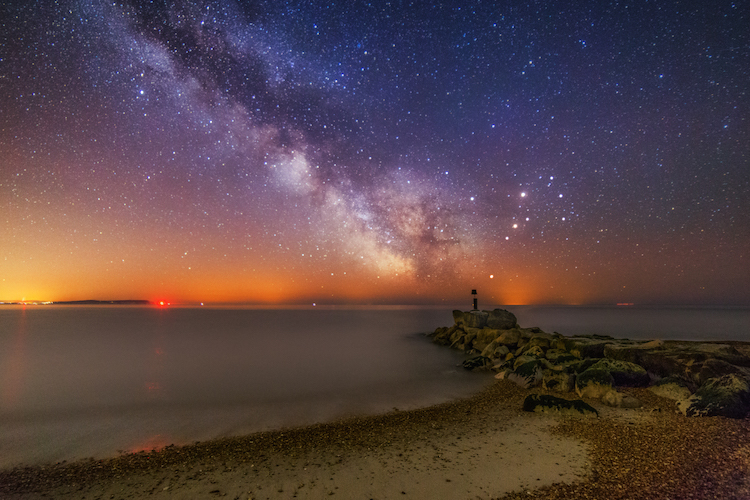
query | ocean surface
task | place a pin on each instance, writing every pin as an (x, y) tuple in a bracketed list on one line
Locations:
[(95, 381)]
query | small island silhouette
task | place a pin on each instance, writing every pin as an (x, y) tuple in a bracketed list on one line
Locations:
[(104, 302)]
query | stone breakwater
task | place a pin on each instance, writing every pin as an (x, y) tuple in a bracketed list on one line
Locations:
[(704, 378)]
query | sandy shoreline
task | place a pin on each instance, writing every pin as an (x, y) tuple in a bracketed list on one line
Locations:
[(481, 447)]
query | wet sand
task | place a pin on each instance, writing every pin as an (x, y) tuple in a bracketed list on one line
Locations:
[(481, 447)]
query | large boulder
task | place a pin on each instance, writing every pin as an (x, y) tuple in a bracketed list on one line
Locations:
[(501, 319), (594, 383), (546, 404), (471, 319), (726, 396), (624, 373)]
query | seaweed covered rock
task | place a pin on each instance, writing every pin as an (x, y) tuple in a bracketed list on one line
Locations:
[(544, 403), (528, 374), (726, 396), (624, 373), (478, 363), (594, 383)]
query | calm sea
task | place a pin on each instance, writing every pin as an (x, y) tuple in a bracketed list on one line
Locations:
[(78, 382)]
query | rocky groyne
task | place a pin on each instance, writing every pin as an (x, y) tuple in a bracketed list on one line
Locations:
[(704, 378)]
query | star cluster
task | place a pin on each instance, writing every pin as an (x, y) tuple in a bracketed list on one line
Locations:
[(375, 152)]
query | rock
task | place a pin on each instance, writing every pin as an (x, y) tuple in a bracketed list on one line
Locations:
[(672, 388), (535, 351), (520, 360), (652, 344), (583, 364), (503, 374), (557, 381), (471, 334), (484, 337), (501, 319), (594, 383), (726, 396), (457, 334), (541, 341), (443, 335), (478, 363), (471, 319), (557, 368), (544, 403), (509, 337), (715, 368), (493, 350), (527, 375), (501, 351), (500, 366), (619, 400), (684, 359), (557, 356), (624, 373), (586, 347)]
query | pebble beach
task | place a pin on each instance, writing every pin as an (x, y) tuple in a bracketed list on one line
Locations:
[(484, 446)]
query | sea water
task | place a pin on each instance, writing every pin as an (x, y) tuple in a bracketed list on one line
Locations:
[(94, 381)]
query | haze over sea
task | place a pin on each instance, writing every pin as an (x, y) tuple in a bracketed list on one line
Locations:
[(92, 381)]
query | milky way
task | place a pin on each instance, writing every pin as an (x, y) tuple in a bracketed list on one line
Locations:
[(384, 152)]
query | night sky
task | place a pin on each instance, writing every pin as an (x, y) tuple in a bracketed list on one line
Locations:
[(376, 153)]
